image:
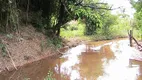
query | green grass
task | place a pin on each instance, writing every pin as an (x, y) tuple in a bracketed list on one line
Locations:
[(78, 33), (69, 33)]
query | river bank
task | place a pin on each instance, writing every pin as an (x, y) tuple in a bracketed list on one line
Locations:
[(24, 48)]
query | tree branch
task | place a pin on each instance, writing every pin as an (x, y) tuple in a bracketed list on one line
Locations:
[(79, 2), (102, 3), (95, 7)]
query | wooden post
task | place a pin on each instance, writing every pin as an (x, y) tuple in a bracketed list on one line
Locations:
[(130, 37)]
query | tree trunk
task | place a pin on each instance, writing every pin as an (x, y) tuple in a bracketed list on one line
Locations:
[(60, 18), (58, 32)]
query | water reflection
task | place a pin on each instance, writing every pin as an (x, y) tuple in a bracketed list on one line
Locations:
[(69, 67), (110, 61)]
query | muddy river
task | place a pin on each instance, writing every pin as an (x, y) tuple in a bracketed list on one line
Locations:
[(102, 60)]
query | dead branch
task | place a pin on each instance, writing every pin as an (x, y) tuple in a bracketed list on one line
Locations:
[(11, 58), (59, 52)]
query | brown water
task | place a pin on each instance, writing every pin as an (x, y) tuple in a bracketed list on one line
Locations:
[(102, 60)]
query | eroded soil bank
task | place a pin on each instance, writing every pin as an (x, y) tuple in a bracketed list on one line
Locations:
[(26, 47)]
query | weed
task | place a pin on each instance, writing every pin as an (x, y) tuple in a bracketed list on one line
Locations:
[(10, 36), (42, 46), (3, 49), (57, 42), (54, 43), (49, 76)]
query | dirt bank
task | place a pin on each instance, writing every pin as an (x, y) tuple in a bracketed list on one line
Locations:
[(26, 47)]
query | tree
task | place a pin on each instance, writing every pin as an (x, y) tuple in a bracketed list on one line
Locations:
[(50, 15), (138, 14), (93, 12), (8, 16)]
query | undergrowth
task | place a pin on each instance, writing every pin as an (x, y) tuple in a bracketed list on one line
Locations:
[(57, 42), (54, 43), (49, 76)]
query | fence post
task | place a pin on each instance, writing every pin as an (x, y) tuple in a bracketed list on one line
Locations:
[(130, 37)]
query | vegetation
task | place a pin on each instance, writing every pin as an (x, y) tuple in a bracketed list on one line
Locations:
[(50, 76), (49, 16), (97, 24), (3, 49), (137, 22), (113, 26), (53, 17)]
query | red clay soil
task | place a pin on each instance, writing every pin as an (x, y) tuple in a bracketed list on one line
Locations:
[(24, 48)]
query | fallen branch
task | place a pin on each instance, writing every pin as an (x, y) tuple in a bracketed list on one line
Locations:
[(59, 52), (11, 58)]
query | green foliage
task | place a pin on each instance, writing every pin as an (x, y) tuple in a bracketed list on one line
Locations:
[(113, 26), (55, 41), (49, 76), (3, 49), (138, 14), (108, 21), (92, 23), (90, 17), (9, 16)]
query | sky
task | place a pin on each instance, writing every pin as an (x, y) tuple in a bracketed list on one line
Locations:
[(121, 3)]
